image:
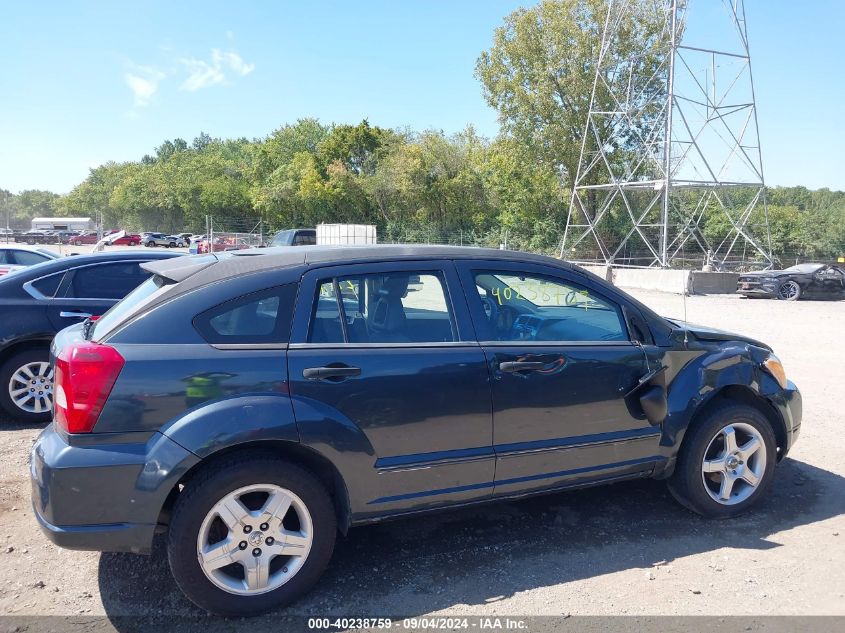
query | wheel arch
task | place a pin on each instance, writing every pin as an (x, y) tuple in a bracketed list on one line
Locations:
[(23, 345), (293, 452), (745, 395)]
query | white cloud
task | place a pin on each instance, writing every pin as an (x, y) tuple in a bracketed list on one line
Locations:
[(203, 74), (143, 82), (233, 61)]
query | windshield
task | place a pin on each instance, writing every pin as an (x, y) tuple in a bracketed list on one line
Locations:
[(805, 268)]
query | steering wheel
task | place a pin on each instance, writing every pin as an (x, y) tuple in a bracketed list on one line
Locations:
[(491, 310)]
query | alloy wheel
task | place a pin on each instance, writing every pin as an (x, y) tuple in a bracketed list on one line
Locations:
[(31, 387), (734, 463), (789, 290), (255, 539)]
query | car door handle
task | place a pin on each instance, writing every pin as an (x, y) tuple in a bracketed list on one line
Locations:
[(522, 365), (74, 315), (329, 373)]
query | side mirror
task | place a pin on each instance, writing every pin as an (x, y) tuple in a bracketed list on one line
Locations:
[(654, 404)]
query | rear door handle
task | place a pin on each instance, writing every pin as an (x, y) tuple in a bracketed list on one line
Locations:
[(515, 366), (328, 373), (74, 315)]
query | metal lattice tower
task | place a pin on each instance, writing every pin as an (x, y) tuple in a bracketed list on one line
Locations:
[(671, 140)]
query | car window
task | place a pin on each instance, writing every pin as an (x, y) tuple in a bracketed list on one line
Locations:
[(105, 281), (27, 258), (48, 286), (383, 308), (255, 318), (4, 256), (517, 307), (305, 239)]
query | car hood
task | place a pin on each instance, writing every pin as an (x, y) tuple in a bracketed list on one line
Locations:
[(768, 273), (704, 333)]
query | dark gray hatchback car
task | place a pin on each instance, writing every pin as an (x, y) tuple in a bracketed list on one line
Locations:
[(253, 403)]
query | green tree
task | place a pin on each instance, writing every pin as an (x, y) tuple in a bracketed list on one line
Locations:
[(539, 74)]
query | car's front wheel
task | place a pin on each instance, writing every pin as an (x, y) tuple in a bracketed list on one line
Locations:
[(26, 386), (789, 291), (726, 462), (251, 534)]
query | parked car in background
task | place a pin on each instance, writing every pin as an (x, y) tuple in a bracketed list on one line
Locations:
[(185, 237), (295, 237), (35, 237), (222, 243), (24, 256), (88, 237), (40, 300), (127, 240), (63, 237), (802, 281), (160, 239), (266, 399)]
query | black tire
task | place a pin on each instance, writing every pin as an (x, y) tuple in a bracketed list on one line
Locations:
[(133, 243), (150, 244), (789, 291), (9, 367), (686, 483), (210, 486)]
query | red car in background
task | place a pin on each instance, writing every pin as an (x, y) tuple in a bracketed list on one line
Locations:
[(127, 240), (84, 238)]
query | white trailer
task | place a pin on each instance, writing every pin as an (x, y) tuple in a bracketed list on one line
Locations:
[(346, 234), (62, 224)]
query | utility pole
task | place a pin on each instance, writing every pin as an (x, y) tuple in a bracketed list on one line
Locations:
[(674, 141)]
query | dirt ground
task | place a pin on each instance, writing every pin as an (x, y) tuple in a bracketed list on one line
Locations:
[(622, 549)]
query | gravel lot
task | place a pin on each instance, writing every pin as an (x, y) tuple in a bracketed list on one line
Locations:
[(622, 549)]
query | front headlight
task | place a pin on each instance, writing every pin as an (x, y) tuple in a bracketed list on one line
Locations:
[(775, 368)]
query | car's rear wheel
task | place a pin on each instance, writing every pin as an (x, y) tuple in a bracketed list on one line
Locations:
[(150, 244), (133, 243), (250, 534), (26, 386), (789, 291), (726, 462)]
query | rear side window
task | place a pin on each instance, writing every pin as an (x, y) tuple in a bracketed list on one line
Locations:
[(255, 318), (28, 258), (400, 307), (48, 286), (105, 281)]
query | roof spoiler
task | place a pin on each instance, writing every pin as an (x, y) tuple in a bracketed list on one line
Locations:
[(179, 268)]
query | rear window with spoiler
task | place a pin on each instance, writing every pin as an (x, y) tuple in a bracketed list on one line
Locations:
[(131, 304)]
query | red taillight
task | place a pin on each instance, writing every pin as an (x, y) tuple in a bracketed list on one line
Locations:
[(84, 377)]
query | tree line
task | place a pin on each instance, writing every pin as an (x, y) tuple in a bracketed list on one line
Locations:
[(421, 186)]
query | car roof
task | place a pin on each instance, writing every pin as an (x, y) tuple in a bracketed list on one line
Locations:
[(204, 269), (26, 247), (63, 263)]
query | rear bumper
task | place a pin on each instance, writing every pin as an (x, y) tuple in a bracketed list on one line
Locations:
[(105, 496)]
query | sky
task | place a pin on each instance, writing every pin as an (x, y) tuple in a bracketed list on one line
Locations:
[(86, 82)]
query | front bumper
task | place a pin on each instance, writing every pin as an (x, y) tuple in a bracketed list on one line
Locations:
[(754, 288), (107, 493), (790, 406)]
